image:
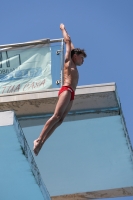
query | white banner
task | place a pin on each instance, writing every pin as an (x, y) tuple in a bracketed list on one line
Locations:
[(25, 69)]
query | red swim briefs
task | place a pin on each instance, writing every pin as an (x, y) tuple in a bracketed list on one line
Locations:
[(64, 88)]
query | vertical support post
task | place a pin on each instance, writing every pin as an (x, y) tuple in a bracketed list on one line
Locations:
[(1, 59), (62, 61)]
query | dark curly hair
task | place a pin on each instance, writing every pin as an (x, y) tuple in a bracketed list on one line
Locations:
[(78, 51)]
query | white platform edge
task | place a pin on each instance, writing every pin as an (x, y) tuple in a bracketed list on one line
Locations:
[(6, 118), (50, 93)]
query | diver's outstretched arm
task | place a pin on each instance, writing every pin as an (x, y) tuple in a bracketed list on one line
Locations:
[(67, 40)]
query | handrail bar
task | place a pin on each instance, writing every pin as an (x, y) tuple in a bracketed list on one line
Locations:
[(34, 42)]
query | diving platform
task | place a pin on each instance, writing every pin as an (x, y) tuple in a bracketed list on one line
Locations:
[(100, 100), (89, 156)]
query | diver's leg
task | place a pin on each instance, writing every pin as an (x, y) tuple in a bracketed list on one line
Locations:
[(61, 108)]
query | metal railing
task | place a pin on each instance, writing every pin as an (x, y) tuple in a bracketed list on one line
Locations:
[(34, 42)]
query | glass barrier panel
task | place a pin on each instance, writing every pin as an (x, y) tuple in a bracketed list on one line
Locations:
[(56, 65), (30, 68), (83, 153)]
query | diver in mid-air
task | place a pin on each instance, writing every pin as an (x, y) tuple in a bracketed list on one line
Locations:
[(73, 57)]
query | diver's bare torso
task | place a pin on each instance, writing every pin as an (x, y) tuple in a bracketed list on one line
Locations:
[(71, 75)]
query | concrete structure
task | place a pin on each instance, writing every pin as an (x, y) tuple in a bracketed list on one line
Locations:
[(18, 178), (89, 97), (103, 165)]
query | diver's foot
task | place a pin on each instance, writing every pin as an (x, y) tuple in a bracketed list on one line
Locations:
[(37, 146)]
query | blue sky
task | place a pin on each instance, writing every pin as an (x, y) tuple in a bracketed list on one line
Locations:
[(104, 28)]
